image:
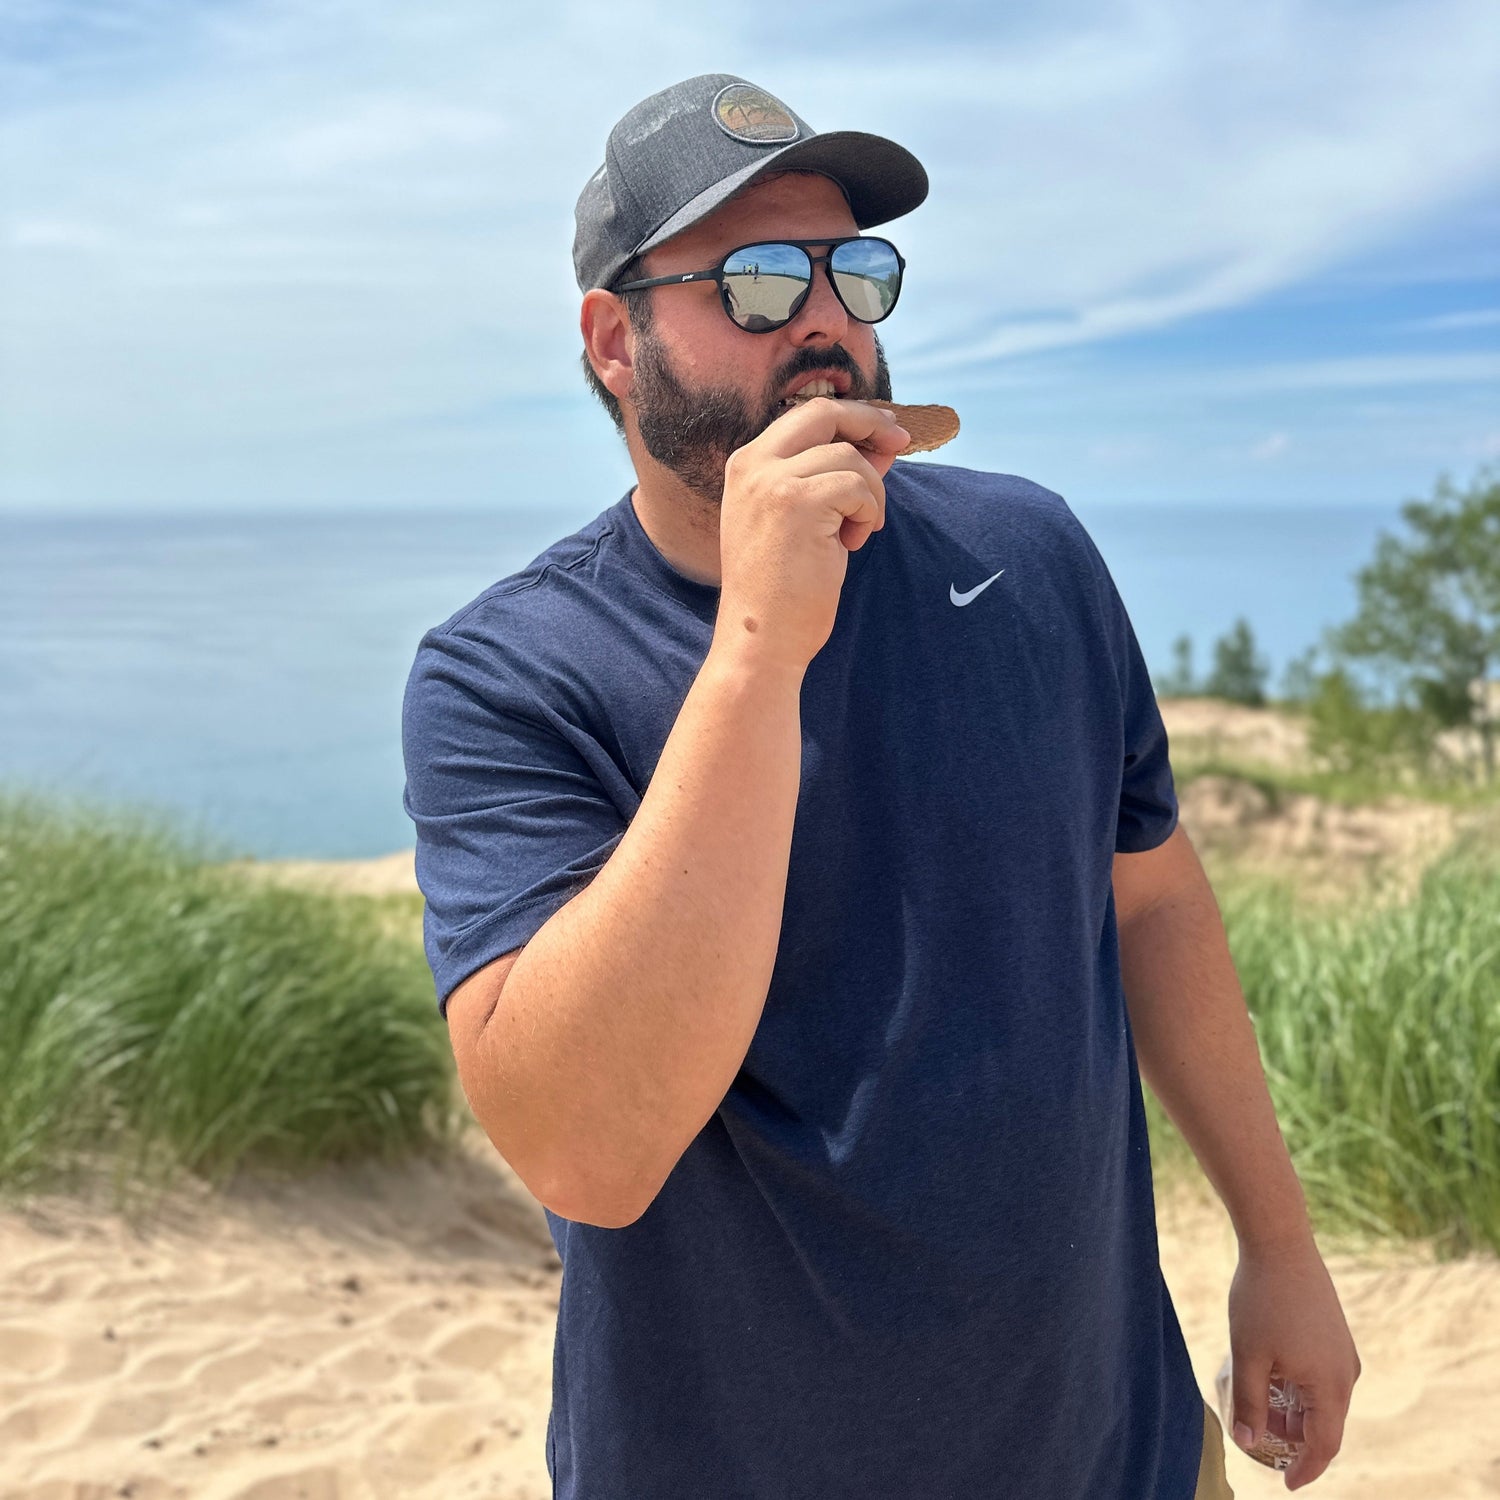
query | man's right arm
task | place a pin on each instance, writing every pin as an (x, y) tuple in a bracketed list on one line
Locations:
[(622, 1023)]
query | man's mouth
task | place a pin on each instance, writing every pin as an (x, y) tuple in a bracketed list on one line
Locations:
[(819, 385)]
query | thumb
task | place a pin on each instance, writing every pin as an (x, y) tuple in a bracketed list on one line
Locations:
[(1252, 1387)]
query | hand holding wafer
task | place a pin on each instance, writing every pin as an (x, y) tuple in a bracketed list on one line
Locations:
[(797, 500)]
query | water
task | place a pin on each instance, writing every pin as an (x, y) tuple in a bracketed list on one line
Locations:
[(244, 674)]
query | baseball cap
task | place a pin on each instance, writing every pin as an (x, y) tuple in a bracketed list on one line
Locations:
[(675, 157)]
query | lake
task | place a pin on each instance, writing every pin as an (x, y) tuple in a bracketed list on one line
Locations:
[(244, 673)]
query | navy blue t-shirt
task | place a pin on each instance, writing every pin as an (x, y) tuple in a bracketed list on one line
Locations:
[(913, 1253)]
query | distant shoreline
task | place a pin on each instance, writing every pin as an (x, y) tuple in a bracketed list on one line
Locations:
[(1328, 850), (383, 875)]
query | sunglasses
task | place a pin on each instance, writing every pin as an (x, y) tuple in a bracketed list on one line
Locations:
[(763, 286)]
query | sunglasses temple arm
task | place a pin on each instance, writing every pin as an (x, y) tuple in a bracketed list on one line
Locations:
[(640, 286)]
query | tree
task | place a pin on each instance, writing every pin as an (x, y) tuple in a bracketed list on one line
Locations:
[(1238, 674), (1300, 679), (1428, 617), (1349, 734), (1179, 682)]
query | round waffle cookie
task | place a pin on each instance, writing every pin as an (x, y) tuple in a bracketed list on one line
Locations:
[(930, 426)]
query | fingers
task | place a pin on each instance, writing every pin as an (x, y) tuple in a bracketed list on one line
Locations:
[(1324, 1428), (1252, 1386), (857, 512), (825, 419), (839, 458)]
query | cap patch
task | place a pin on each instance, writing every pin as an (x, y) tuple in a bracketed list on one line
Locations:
[(752, 115)]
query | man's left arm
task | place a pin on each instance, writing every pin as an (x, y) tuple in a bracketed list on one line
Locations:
[(1197, 1049)]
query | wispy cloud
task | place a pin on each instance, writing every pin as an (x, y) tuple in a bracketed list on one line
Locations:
[(338, 231), (1482, 317), (1361, 374)]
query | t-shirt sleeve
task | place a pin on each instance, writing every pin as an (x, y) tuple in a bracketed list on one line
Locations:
[(511, 821), (1148, 797)]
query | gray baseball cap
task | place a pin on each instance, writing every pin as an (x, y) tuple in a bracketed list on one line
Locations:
[(675, 157)]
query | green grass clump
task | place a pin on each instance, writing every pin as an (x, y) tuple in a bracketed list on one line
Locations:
[(1379, 1031), (160, 1015)]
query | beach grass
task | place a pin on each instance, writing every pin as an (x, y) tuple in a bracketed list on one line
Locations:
[(161, 1015), (1379, 1030)]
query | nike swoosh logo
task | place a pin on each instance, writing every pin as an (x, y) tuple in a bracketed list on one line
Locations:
[(973, 593)]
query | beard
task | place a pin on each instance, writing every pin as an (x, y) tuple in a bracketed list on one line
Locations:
[(692, 432)]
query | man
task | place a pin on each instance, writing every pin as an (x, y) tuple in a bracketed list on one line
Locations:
[(792, 837)]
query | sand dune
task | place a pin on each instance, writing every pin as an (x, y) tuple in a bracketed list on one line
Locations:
[(388, 1332)]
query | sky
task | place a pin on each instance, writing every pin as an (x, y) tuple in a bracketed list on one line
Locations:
[(296, 255)]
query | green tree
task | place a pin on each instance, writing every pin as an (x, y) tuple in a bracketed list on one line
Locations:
[(1179, 682), (1300, 679), (1428, 617), (1239, 674), (1350, 734)]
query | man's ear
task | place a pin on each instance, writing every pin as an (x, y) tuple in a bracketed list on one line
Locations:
[(608, 340)]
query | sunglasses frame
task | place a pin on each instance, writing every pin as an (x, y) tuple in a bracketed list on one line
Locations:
[(716, 274)]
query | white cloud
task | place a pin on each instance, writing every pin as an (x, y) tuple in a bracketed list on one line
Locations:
[(1269, 447), (1365, 373), (1482, 317), (343, 222), (57, 234)]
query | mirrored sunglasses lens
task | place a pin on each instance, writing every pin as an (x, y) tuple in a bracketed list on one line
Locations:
[(868, 277), (762, 284)]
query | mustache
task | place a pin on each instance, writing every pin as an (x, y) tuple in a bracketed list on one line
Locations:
[(807, 361)]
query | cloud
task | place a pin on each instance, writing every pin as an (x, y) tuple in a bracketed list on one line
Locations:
[(330, 225), (1272, 446), (1482, 317), (1363, 373)]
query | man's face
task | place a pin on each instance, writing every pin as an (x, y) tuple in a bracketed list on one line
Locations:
[(702, 386)]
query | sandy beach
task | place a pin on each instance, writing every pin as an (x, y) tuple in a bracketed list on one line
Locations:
[(388, 1332)]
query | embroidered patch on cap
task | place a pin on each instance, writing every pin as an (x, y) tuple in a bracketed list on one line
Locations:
[(752, 115)]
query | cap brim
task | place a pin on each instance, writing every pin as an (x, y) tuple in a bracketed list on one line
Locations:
[(882, 180)]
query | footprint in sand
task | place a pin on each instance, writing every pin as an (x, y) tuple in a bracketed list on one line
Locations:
[(440, 1438), (93, 1359), (231, 1373), (479, 1347), (141, 1411), (320, 1483), (30, 1351), (45, 1420)]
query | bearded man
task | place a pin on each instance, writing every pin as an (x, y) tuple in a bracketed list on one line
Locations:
[(803, 883)]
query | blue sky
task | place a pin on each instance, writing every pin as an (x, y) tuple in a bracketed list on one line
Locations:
[(315, 254)]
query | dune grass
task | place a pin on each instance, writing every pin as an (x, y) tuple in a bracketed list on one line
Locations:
[(159, 1015), (1379, 1030)]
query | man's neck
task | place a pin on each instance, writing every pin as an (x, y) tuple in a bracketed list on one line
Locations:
[(682, 526)]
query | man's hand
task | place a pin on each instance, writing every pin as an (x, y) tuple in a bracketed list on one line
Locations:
[(798, 499), (1284, 1312)]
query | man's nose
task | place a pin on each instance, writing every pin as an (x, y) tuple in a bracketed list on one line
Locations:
[(822, 315)]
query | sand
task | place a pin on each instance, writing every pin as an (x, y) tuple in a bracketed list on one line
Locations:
[(382, 1332), (388, 1332), (368, 1332)]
